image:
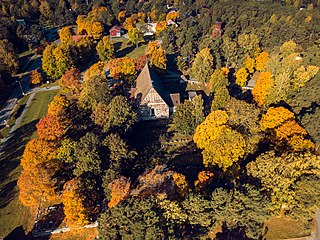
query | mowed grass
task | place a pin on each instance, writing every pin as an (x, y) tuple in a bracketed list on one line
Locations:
[(124, 49), (38, 106), (283, 228), (15, 219)]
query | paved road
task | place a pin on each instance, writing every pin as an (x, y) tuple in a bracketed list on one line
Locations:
[(5, 113), (18, 121)]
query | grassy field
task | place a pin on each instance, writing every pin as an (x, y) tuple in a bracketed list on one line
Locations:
[(124, 49), (38, 106), (283, 228), (15, 219)]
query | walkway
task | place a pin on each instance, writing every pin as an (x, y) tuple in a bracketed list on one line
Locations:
[(18, 121)]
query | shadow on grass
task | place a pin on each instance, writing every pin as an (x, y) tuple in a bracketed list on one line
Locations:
[(8, 193), (124, 52), (10, 160), (17, 233)]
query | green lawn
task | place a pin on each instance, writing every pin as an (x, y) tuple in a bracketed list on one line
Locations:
[(15, 219), (137, 52), (38, 106), (15, 114), (124, 49)]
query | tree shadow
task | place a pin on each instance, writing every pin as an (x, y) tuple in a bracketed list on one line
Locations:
[(17, 233), (125, 51), (10, 160), (7, 193)]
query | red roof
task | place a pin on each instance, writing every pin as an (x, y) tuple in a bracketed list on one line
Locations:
[(116, 28)]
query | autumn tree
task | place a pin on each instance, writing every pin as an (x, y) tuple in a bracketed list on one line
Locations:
[(133, 35), (120, 191), (65, 34), (202, 67), (262, 88), (158, 57), (122, 67), (70, 83), (119, 152), (9, 60), (261, 61), (52, 126), (59, 105), (242, 77), (121, 16), (57, 60), (118, 114), (221, 145), (278, 175), (129, 23), (73, 204), (249, 43), (39, 166), (283, 129), (105, 49), (35, 77)]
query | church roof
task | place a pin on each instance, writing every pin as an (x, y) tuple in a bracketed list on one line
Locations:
[(147, 80)]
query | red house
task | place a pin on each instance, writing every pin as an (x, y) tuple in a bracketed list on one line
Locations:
[(217, 28), (116, 31)]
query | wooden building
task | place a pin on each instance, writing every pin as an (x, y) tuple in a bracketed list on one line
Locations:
[(151, 97), (116, 31)]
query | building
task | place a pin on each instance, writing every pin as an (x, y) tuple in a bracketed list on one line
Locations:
[(116, 31), (217, 31), (252, 82), (151, 97)]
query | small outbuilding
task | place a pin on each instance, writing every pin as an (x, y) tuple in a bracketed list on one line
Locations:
[(116, 31)]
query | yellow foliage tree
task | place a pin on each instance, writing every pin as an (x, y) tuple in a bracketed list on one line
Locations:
[(65, 34), (288, 47), (241, 77), (129, 23), (58, 105), (120, 67), (261, 61), (249, 64), (183, 186), (73, 202), (97, 69), (221, 145), (121, 16), (161, 25), (142, 17), (153, 15), (158, 56), (96, 30), (262, 87), (172, 16), (280, 124)]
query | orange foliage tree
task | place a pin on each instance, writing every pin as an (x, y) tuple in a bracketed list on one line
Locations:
[(52, 127), (35, 77), (73, 202), (182, 184), (58, 105), (283, 129), (204, 179), (129, 23), (70, 83), (261, 61), (120, 190), (39, 151), (121, 16), (262, 87), (39, 165), (121, 67), (36, 184)]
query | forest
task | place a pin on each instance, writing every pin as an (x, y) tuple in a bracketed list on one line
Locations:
[(225, 163)]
